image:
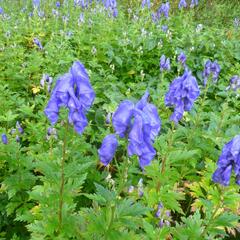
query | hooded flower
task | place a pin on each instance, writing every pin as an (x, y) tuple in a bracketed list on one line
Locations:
[(182, 4), (4, 139), (36, 3), (164, 63), (193, 3), (163, 10), (227, 162), (235, 83), (211, 68), (122, 117), (84, 90), (146, 3), (73, 91), (1, 11), (58, 4), (182, 93), (182, 58), (38, 43), (108, 149)]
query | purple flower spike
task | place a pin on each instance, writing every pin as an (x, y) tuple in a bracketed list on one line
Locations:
[(228, 161), (58, 4), (164, 63), (84, 90), (38, 43), (235, 83), (182, 93), (78, 119), (211, 68), (4, 139), (182, 4), (19, 127), (108, 149), (182, 58), (146, 3), (163, 10), (122, 117)]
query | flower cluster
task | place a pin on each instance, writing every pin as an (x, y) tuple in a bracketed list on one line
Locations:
[(141, 123), (164, 63), (182, 93), (193, 3), (38, 43), (182, 58), (146, 3), (73, 91), (163, 10), (164, 216), (211, 68), (112, 6), (229, 160), (235, 83), (46, 79), (182, 4)]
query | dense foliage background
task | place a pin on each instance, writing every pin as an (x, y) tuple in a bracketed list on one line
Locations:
[(121, 55)]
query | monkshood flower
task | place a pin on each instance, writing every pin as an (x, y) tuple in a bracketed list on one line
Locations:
[(227, 162), (163, 10), (211, 68), (36, 3), (235, 83), (80, 19), (38, 43), (1, 11), (58, 4), (183, 91), (108, 148), (236, 22), (182, 4), (164, 63), (17, 139), (19, 127), (182, 58), (193, 3), (146, 3), (55, 12), (164, 28), (159, 210), (41, 13), (46, 79), (73, 91), (4, 139), (122, 118)]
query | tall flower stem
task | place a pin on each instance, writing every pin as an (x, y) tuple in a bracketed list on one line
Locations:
[(62, 177)]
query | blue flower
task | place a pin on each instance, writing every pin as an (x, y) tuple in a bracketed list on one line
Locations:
[(38, 43), (182, 4), (228, 161), (1, 11), (146, 2), (84, 90), (211, 68), (108, 149), (164, 28), (164, 63), (58, 4), (19, 127), (4, 139), (122, 117), (36, 3), (235, 83), (163, 10), (182, 93), (193, 3), (73, 91), (182, 58)]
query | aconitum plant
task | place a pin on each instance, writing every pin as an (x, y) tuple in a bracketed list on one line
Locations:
[(4, 139), (182, 58), (235, 83), (164, 63), (228, 161), (183, 91), (163, 10), (73, 91), (182, 4), (146, 3), (138, 122), (211, 68), (38, 43)]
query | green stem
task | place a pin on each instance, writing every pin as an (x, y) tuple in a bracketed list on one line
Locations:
[(62, 177)]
